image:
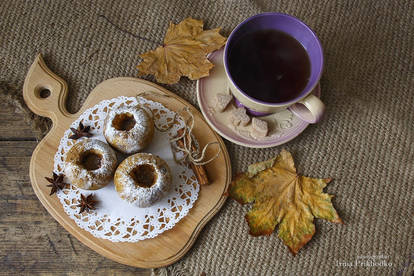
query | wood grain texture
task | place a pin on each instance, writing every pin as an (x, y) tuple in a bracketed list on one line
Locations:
[(32, 242), (13, 127), (166, 248)]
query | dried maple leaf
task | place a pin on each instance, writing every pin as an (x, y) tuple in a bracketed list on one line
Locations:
[(184, 52), (282, 197)]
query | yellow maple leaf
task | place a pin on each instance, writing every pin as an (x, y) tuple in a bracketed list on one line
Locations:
[(282, 197), (184, 52)]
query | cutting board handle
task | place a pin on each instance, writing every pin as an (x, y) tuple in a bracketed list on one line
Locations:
[(45, 92)]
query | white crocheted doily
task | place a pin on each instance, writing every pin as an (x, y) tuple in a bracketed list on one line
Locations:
[(115, 219)]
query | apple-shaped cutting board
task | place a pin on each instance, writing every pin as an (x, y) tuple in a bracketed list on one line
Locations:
[(45, 94)]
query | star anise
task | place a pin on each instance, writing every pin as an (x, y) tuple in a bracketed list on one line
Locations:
[(82, 131), (86, 203), (56, 182)]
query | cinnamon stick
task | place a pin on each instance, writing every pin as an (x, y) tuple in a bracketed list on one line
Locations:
[(198, 170)]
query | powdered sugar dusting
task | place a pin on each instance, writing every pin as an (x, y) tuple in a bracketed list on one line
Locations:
[(91, 178), (133, 140), (139, 196), (115, 219)]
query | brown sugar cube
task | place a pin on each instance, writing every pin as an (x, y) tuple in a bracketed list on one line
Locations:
[(223, 101), (260, 128), (239, 116)]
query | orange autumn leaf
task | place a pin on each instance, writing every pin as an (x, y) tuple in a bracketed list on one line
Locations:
[(282, 197), (184, 52)]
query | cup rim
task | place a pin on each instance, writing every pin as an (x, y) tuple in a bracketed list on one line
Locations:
[(290, 102)]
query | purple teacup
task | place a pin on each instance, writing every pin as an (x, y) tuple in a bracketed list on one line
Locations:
[(302, 103)]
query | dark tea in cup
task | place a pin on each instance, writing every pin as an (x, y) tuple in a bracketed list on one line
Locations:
[(269, 65), (273, 61)]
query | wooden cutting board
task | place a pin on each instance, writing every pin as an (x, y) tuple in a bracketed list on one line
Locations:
[(45, 94)]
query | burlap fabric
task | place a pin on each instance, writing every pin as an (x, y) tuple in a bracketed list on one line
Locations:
[(365, 141)]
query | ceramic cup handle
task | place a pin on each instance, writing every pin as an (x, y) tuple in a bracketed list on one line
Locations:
[(309, 109)]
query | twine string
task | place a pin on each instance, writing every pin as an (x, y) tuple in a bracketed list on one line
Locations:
[(193, 155)]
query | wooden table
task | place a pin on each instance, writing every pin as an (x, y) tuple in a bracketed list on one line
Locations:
[(31, 241)]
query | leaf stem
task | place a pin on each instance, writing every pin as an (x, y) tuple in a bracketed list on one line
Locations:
[(128, 32)]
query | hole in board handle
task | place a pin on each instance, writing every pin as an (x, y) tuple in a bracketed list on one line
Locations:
[(44, 93)]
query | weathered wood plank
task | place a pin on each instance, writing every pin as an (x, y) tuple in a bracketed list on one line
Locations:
[(32, 242), (12, 125)]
